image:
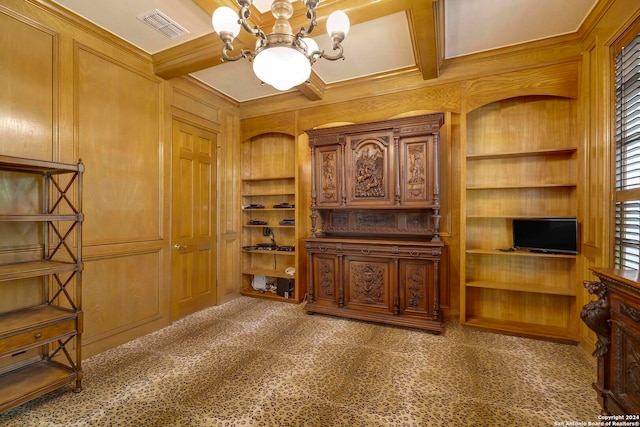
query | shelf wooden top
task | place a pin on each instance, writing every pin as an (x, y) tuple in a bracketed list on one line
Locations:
[(628, 277), (269, 178), (20, 164), (527, 153), (374, 241), (33, 318), (519, 253), (40, 217), (23, 270)]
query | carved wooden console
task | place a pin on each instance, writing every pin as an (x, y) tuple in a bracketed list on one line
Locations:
[(375, 248), (615, 318)]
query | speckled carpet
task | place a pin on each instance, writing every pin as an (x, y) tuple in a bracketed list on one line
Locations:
[(252, 362)]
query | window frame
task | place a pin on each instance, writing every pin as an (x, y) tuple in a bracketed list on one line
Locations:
[(625, 195)]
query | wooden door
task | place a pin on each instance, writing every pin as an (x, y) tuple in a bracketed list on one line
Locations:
[(193, 219)]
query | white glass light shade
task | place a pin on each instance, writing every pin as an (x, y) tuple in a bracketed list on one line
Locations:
[(282, 67), (311, 44), (338, 22), (225, 19)]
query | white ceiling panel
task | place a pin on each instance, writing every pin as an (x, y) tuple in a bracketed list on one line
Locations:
[(378, 46), (478, 25), (120, 17)]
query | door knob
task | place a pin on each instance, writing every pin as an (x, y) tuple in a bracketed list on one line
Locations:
[(177, 246)]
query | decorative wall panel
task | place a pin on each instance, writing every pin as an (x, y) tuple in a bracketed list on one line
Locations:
[(123, 148)]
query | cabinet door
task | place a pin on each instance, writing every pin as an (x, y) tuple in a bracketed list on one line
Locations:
[(329, 168), (417, 175), (417, 281), (370, 170), (325, 279), (369, 283)]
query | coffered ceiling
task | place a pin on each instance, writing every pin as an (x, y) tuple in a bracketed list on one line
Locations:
[(386, 36)]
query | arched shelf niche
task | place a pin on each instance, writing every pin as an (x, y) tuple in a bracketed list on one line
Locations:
[(520, 160)]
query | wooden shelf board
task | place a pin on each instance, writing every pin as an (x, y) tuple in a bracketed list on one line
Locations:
[(31, 381), (522, 287), (522, 329), (267, 295), (269, 178), (279, 194), (34, 317), (267, 272), (521, 186), (23, 270), (19, 164), (270, 226), (267, 209), (504, 216), (528, 153), (518, 253), (39, 217), (263, 252)]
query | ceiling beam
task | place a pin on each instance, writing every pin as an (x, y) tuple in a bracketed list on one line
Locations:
[(205, 51), (426, 32), (314, 88)]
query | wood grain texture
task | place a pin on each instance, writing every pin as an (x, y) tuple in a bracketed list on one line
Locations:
[(120, 150), (27, 129)]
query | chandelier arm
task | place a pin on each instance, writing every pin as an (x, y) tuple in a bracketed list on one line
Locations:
[(335, 57), (243, 16), (244, 53), (311, 16)]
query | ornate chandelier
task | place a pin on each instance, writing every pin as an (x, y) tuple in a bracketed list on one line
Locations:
[(281, 59)]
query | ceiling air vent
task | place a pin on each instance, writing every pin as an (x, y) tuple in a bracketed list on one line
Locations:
[(163, 23)]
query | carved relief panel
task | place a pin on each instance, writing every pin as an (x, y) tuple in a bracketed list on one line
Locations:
[(626, 353), (368, 282), (417, 173), (415, 294), (329, 175), (369, 177), (325, 278)]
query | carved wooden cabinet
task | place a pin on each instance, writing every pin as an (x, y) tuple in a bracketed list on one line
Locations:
[(375, 243), (376, 280), (389, 165), (615, 317)]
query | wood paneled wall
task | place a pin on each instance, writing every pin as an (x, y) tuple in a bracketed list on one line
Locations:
[(70, 91)]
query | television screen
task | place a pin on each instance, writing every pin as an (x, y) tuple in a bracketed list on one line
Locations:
[(550, 235)]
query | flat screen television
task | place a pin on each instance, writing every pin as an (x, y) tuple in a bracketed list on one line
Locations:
[(547, 235)]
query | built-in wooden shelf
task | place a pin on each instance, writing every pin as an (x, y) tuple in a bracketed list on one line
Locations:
[(266, 252), (519, 186), (523, 287), (521, 162), (527, 153), (267, 295), (268, 178), (519, 253), (267, 272), (553, 333)]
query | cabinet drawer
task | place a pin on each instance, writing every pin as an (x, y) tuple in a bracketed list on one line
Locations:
[(320, 247), (404, 251), (36, 335)]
